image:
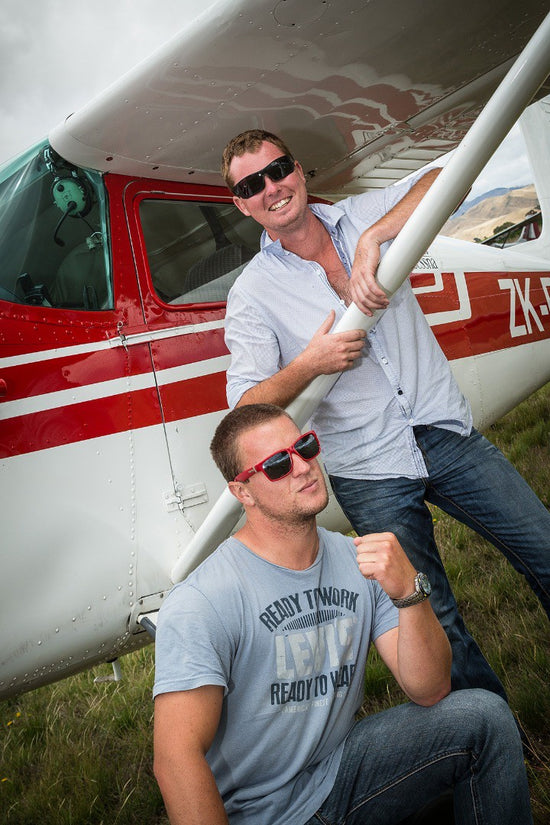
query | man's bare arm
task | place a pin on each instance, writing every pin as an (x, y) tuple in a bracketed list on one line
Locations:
[(365, 291), (185, 725), (417, 652), (326, 353)]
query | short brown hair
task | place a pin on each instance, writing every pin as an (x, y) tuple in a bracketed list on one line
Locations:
[(249, 141), (224, 446)]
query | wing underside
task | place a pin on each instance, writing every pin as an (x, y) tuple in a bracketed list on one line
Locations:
[(365, 91)]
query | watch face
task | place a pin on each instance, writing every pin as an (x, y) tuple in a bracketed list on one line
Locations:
[(424, 584)]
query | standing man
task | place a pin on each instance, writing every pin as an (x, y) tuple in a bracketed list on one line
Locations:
[(260, 657), (396, 430)]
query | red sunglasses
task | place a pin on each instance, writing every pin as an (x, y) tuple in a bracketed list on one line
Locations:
[(279, 464)]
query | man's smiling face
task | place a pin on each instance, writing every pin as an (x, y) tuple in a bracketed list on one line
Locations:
[(281, 205)]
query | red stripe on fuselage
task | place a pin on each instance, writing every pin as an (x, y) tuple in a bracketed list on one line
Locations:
[(114, 414), (506, 309), (198, 396), (78, 422)]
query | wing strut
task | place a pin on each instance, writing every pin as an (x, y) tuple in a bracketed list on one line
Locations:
[(497, 118)]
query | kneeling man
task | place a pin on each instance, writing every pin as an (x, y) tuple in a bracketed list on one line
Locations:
[(260, 657)]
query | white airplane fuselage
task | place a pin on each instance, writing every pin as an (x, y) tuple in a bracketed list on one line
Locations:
[(107, 416), (119, 246)]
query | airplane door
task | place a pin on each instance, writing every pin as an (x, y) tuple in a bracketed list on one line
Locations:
[(189, 245)]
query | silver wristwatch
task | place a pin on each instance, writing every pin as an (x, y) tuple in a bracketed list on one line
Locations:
[(422, 591)]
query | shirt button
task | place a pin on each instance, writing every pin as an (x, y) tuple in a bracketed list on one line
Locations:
[(399, 392)]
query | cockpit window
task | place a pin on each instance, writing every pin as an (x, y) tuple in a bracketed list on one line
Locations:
[(54, 249), (195, 251)]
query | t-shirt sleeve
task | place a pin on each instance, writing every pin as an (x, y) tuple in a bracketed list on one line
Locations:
[(386, 613), (192, 645)]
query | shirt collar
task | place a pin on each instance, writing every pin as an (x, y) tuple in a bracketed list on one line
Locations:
[(329, 214)]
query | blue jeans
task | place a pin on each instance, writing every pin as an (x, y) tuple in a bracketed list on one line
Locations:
[(397, 761), (471, 480)]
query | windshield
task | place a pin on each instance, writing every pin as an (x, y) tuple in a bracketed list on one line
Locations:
[(54, 249)]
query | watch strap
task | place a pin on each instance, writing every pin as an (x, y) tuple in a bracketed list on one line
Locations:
[(408, 601), (420, 594)]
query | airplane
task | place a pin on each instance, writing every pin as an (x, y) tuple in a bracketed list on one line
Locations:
[(119, 244)]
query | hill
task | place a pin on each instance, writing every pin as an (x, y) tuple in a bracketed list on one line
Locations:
[(494, 193), (485, 214)]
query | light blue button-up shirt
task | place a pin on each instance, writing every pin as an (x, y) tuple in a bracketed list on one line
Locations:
[(365, 422)]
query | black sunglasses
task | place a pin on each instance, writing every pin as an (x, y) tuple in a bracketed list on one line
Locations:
[(279, 464), (276, 170)]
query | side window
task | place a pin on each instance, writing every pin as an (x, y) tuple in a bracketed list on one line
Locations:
[(196, 251), (502, 208), (53, 234)]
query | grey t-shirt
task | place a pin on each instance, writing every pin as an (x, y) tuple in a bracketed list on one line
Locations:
[(289, 649)]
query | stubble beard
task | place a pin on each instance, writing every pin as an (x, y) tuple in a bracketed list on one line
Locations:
[(296, 517)]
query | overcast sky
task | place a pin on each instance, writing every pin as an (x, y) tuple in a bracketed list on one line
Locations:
[(55, 55)]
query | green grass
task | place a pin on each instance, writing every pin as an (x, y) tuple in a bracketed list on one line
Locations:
[(79, 753), (499, 608)]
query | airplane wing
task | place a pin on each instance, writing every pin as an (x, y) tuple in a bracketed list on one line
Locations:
[(364, 96)]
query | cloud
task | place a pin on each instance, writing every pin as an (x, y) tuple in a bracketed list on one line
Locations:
[(55, 55), (508, 167)]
